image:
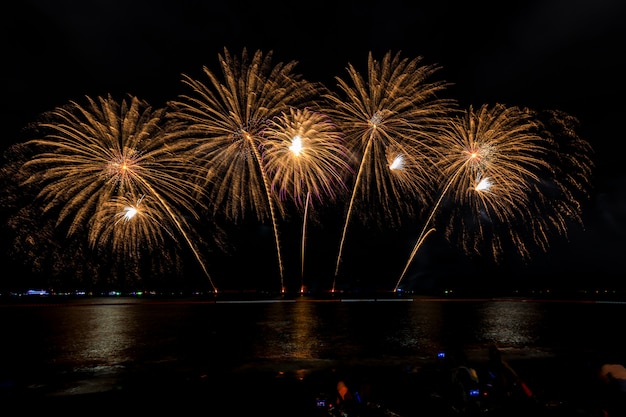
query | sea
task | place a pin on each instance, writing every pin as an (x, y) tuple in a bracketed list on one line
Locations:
[(283, 356)]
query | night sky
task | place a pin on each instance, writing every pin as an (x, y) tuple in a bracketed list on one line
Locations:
[(545, 54)]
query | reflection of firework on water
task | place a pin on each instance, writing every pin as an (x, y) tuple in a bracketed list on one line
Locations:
[(389, 119), (505, 185), (90, 157), (306, 157), (227, 117)]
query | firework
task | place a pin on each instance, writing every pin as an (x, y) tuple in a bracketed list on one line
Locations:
[(306, 157), (91, 158), (390, 120), (128, 217), (226, 118), (505, 185)]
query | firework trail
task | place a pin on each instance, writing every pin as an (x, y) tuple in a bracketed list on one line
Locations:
[(503, 171), (226, 118), (91, 156), (390, 116), (306, 157)]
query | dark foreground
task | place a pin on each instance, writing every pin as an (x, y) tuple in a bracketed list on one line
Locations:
[(560, 386)]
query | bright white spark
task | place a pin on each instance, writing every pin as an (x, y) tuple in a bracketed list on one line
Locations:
[(398, 162), (296, 145), (484, 184), (129, 213)]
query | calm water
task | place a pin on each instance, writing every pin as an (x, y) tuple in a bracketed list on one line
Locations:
[(96, 345)]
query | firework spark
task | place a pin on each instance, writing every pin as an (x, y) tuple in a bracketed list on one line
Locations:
[(248, 140), (130, 217), (389, 116), (91, 157), (305, 153), (501, 173), (226, 118), (306, 157)]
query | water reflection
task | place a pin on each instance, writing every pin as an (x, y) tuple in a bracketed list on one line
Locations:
[(107, 335), (289, 331), (305, 343), (94, 347), (347, 331), (510, 323), (420, 330), (331, 331)]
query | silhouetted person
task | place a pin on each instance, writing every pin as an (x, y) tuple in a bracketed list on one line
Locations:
[(506, 385), (613, 378), (345, 402)]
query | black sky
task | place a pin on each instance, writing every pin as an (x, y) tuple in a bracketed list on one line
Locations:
[(546, 54)]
